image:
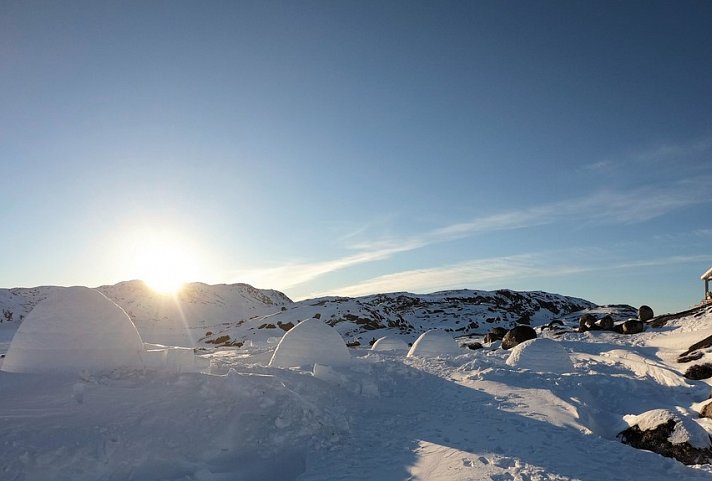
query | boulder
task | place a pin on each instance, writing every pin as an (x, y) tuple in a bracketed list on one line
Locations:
[(645, 313), (517, 335), (669, 434), (474, 345), (699, 371), (706, 411), (495, 334), (632, 326), (606, 323), (586, 322)]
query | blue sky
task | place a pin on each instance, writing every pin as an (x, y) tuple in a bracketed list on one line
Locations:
[(359, 147)]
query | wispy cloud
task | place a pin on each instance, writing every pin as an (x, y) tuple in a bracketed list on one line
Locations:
[(667, 155), (601, 208), (486, 273)]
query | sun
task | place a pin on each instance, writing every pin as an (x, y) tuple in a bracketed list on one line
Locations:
[(164, 264)]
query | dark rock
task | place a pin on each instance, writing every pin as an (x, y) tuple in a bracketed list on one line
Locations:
[(693, 356), (495, 334), (656, 440), (606, 323), (285, 326), (699, 371), (645, 313), (706, 411), (474, 345), (352, 344), (586, 322), (267, 326), (632, 326), (517, 335), (703, 344), (555, 324)]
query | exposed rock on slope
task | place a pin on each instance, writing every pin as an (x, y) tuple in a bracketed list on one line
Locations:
[(665, 432), (461, 313)]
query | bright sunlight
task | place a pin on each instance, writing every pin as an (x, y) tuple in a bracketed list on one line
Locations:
[(164, 263)]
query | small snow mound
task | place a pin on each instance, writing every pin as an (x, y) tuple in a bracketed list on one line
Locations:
[(74, 329), (389, 343), (434, 343), (686, 430), (311, 342), (541, 355)]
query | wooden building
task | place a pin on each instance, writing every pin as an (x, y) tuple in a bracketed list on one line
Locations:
[(707, 277)]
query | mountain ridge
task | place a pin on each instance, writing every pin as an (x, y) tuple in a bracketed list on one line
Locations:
[(231, 314)]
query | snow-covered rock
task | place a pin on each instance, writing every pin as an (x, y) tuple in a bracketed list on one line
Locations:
[(434, 343), (311, 342), (390, 343), (665, 432), (74, 329), (541, 355)]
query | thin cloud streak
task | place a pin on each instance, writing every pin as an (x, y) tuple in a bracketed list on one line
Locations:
[(602, 208), (486, 272)]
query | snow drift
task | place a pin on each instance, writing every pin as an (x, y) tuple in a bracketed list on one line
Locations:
[(75, 328)]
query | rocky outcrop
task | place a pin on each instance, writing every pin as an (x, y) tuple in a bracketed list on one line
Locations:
[(699, 371), (669, 434), (517, 335)]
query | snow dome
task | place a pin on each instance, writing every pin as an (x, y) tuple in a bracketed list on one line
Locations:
[(75, 328), (311, 342), (434, 343), (390, 343), (540, 355)]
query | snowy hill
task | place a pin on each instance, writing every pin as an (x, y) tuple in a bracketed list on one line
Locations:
[(236, 313), (462, 312)]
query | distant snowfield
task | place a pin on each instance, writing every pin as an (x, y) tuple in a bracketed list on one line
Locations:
[(382, 416)]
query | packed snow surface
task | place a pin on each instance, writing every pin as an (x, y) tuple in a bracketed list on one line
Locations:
[(434, 343), (379, 416), (74, 329), (390, 343), (541, 355), (311, 342)]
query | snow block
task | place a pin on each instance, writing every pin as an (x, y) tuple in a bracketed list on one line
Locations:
[(175, 360), (311, 342), (540, 355), (74, 329), (434, 343), (389, 343)]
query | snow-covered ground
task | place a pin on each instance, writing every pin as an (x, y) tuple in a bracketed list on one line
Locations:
[(381, 416)]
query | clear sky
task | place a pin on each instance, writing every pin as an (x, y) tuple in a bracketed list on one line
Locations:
[(357, 147)]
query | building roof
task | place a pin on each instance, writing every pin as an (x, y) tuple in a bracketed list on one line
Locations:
[(707, 275)]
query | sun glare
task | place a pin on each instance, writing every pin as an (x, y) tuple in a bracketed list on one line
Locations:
[(164, 264)]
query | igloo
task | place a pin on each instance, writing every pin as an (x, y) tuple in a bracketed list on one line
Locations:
[(74, 329), (541, 355), (389, 343), (311, 342), (434, 343)]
